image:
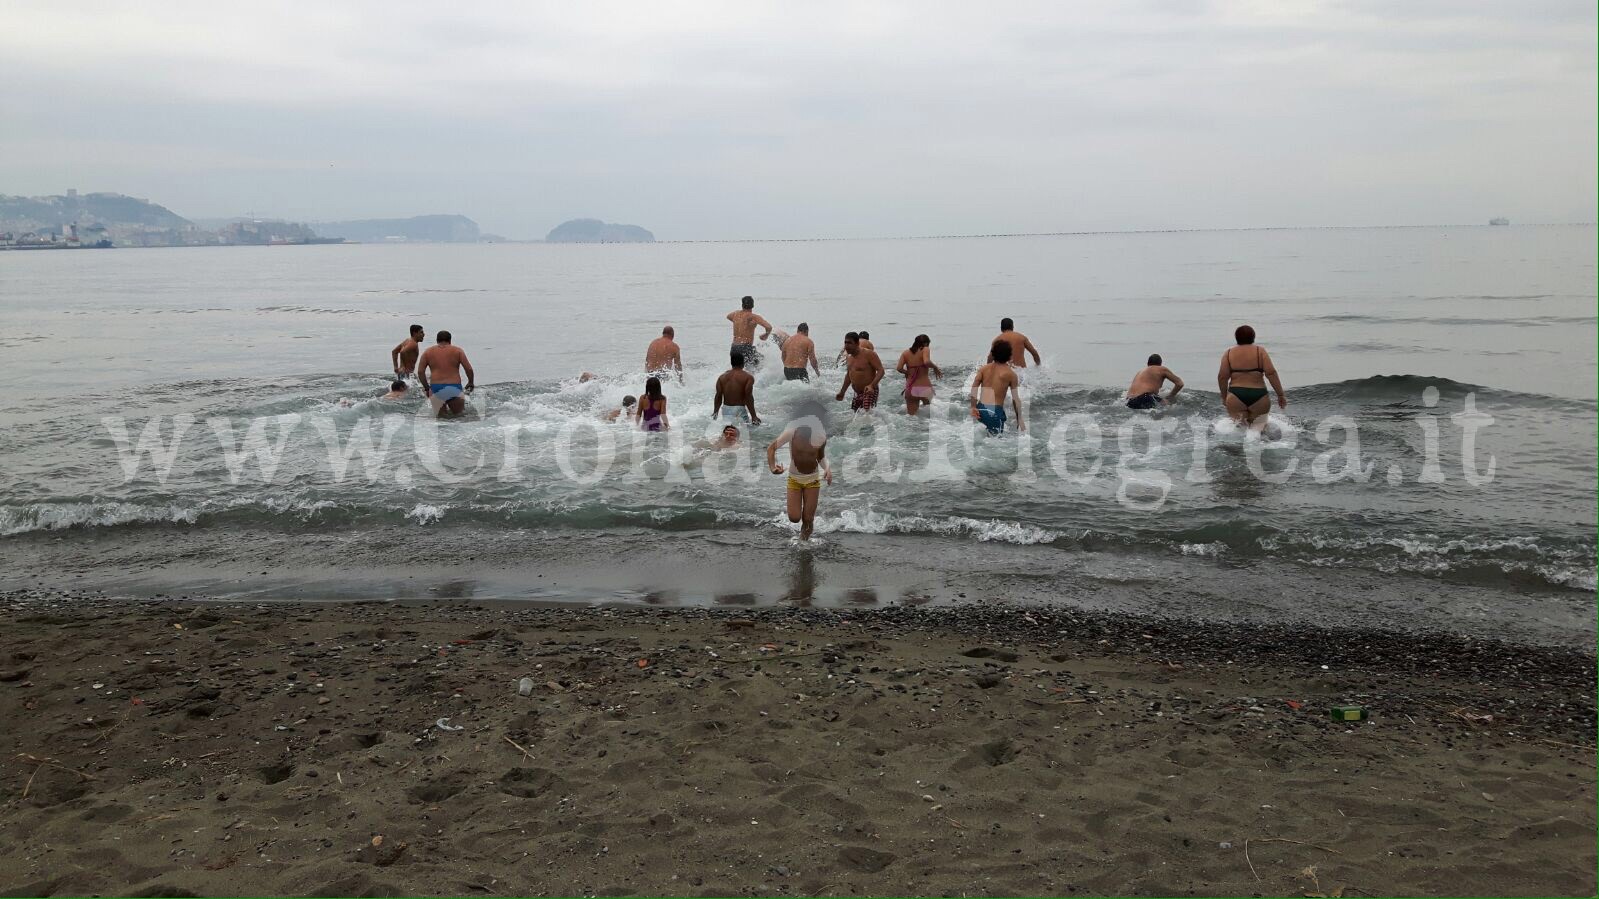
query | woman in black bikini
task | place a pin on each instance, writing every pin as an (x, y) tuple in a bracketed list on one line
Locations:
[(1245, 369)]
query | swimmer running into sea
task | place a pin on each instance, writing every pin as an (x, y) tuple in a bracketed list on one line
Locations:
[(1144, 393), (864, 373), (735, 393), (1245, 369), (808, 469), (744, 321), (403, 356), (650, 413), (663, 355), (989, 388), (443, 363), (917, 365), (799, 351)]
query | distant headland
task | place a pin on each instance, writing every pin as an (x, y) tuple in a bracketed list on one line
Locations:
[(72, 220), (596, 231)]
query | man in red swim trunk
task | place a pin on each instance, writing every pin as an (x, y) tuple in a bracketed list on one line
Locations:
[(864, 372)]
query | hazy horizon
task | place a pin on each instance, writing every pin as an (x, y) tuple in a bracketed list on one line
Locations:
[(727, 121)]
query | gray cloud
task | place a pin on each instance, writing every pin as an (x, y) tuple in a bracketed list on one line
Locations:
[(739, 120)]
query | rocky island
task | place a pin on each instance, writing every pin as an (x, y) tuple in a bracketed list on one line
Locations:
[(596, 231)]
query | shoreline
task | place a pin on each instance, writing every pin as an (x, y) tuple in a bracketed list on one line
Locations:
[(760, 567), (997, 749)]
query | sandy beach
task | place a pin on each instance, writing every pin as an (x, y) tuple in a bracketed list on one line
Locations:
[(371, 748)]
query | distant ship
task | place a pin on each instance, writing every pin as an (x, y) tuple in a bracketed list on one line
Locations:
[(1499, 221)]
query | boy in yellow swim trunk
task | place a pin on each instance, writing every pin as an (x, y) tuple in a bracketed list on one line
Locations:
[(807, 446)]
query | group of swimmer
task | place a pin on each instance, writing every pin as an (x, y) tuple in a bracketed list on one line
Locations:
[(1245, 370), (437, 371)]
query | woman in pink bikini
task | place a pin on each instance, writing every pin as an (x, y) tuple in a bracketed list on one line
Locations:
[(916, 364)]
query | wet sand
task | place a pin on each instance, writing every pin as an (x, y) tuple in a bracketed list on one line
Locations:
[(166, 748)]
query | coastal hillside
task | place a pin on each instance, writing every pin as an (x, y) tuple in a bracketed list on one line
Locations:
[(54, 213), (596, 231)]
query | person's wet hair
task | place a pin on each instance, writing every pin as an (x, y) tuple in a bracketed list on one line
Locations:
[(667, 331), (803, 328), (810, 421), (1001, 351), (736, 358), (1154, 358), (730, 428), (628, 401), (852, 337), (865, 336), (418, 329), (1244, 335), (748, 302), (398, 385), (1006, 324), (444, 337), (920, 341), (652, 388)]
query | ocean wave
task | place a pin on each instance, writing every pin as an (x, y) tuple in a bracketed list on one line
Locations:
[(62, 516)]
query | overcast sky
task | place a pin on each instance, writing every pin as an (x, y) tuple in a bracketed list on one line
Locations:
[(746, 119)]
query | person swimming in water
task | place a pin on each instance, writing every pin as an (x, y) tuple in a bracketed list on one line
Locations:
[(1245, 369), (917, 365), (992, 383), (397, 390), (726, 441), (651, 412), (1144, 393), (807, 469), (625, 409)]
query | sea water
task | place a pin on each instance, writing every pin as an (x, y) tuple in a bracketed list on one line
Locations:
[(1441, 422)]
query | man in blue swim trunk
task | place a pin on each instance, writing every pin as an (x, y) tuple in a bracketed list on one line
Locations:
[(439, 371), (994, 381)]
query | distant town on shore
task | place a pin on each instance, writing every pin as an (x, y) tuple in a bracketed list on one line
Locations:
[(104, 220)]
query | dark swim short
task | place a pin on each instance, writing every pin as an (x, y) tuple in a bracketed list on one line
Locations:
[(796, 374), (864, 401), (752, 356), (1144, 401)]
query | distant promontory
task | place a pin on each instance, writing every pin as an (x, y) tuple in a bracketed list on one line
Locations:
[(596, 231)]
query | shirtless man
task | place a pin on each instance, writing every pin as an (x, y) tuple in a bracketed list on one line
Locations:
[(863, 372), (440, 373), (798, 351), (664, 355), (735, 393), (403, 357), (993, 381), (744, 321), (807, 446), (1145, 390), (866, 344), (1019, 344)]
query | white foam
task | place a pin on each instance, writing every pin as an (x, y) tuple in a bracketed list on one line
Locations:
[(58, 516), (426, 514)]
